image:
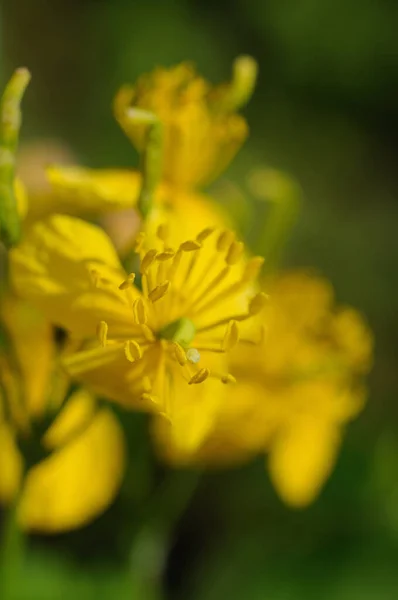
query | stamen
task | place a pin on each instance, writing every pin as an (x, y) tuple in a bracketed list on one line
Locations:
[(228, 378), (132, 351), (204, 234), (149, 398), (210, 286), (180, 354), (139, 311), (252, 268), (231, 336), (199, 376), (159, 291), (166, 254), (190, 245), (147, 260), (234, 253), (257, 303), (127, 282), (163, 232), (175, 264), (139, 241), (193, 355), (224, 240), (102, 333)]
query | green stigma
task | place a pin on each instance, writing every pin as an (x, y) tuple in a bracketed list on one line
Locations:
[(181, 331)]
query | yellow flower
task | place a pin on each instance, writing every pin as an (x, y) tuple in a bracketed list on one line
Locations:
[(202, 132), (80, 458), (295, 394), (162, 348)]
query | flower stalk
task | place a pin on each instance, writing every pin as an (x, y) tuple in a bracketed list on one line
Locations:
[(151, 158)]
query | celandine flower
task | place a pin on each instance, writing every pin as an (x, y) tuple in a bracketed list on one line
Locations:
[(163, 347), (294, 394), (201, 133), (76, 450)]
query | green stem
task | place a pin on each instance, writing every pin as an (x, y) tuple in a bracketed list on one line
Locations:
[(12, 551), (153, 539), (151, 159)]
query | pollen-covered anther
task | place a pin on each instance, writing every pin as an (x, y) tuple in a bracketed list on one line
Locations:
[(199, 377), (257, 303), (228, 378), (231, 336), (224, 240), (190, 245), (165, 255), (193, 355), (147, 260), (159, 291), (132, 351), (128, 282), (234, 253), (180, 354), (139, 311), (102, 333), (204, 234)]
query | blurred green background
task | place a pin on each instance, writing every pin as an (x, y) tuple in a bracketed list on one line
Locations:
[(326, 111)]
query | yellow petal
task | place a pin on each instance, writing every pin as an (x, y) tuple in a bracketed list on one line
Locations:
[(90, 192), (31, 337), (69, 269), (81, 478), (302, 457)]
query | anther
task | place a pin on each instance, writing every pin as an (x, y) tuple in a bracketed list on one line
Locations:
[(234, 253), (228, 378), (132, 351), (147, 260), (199, 376), (159, 291), (190, 245), (203, 235), (163, 232), (127, 282), (224, 240), (102, 333), (139, 311), (231, 336), (180, 354), (193, 355), (166, 254), (257, 303)]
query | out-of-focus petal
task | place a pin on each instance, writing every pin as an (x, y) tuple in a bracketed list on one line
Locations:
[(302, 457), (82, 477), (69, 269)]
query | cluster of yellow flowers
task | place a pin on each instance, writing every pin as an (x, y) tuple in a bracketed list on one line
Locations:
[(177, 321)]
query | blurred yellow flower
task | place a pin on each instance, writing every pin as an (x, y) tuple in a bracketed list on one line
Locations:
[(193, 300), (77, 466), (202, 131), (294, 395), (201, 134)]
